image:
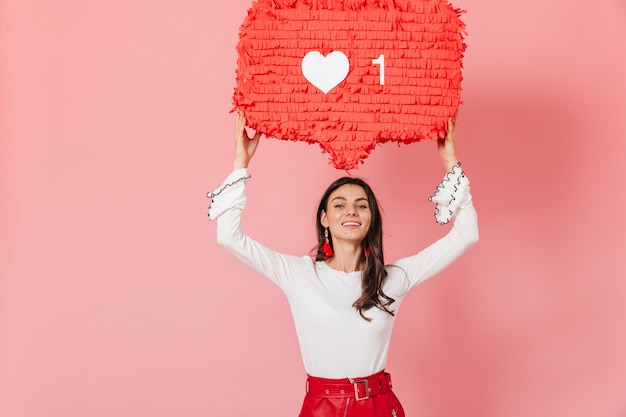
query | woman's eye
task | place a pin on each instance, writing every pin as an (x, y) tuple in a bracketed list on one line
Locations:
[(362, 207), (339, 206)]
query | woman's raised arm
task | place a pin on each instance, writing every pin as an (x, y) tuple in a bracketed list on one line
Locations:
[(245, 146), (447, 148)]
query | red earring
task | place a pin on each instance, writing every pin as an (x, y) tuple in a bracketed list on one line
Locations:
[(368, 250), (326, 249)]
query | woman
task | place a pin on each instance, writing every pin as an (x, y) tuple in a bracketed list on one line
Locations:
[(344, 300)]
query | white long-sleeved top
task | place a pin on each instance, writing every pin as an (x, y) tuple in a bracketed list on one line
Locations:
[(335, 341)]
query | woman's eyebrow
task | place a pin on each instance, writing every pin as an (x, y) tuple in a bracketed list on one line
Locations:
[(345, 199), (339, 198)]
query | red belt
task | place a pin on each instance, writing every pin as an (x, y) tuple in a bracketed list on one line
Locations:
[(358, 388)]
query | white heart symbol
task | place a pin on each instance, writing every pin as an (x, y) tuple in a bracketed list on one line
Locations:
[(325, 72)]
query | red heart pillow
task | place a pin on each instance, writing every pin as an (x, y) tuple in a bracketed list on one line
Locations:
[(350, 74)]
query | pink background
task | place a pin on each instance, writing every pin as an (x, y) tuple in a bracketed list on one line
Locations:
[(115, 299)]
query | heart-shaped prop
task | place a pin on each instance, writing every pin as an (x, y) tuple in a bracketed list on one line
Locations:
[(349, 75), (325, 72)]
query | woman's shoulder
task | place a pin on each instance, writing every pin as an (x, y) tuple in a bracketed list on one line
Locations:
[(397, 281)]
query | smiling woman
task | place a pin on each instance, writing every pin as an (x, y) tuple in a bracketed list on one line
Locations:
[(344, 298), (346, 213)]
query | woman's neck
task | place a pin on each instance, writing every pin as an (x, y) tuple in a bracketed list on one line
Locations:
[(346, 258)]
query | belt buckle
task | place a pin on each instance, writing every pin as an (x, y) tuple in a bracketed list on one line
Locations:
[(356, 390)]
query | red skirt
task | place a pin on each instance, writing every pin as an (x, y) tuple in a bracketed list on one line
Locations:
[(359, 397)]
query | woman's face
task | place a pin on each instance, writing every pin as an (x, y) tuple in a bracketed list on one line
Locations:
[(347, 214)]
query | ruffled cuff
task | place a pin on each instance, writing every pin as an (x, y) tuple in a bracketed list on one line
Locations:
[(448, 195), (230, 193)]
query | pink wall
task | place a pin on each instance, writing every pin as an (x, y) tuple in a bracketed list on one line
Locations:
[(115, 299)]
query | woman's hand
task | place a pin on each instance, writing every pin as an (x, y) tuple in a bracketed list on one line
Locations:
[(245, 146), (446, 146)]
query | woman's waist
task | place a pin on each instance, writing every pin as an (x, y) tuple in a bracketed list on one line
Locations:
[(360, 388)]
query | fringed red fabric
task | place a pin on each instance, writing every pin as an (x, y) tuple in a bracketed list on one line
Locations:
[(422, 42)]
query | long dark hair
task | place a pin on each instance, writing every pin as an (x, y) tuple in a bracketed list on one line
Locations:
[(373, 272)]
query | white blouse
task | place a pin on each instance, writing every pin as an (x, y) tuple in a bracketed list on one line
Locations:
[(335, 341)]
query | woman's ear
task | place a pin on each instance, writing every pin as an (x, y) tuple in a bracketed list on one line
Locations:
[(323, 219)]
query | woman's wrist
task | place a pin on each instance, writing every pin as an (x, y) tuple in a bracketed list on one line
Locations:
[(239, 163), (449, 163)]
